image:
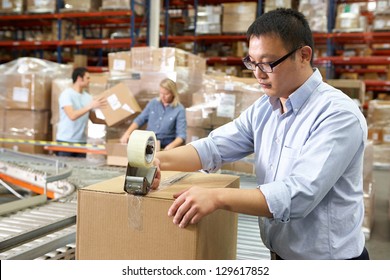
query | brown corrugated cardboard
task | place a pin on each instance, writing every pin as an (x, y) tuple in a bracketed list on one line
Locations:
[(26, 122), (41, 6), (119, 61), (121, 104), (12, 6), (104, 230), (57, 87), (27, 91)]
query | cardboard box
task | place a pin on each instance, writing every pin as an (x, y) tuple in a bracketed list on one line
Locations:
[(119, 61), (26, 122), (12, 6), (27, 91), (106, 230), (58, 85), (84, 6), (121, 104), (48, 6)]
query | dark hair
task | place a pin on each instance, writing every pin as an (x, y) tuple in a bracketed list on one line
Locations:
[(289, 25), (78, 72)]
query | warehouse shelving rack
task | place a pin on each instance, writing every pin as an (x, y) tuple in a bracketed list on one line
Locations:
[(18, 24), (335, 62)]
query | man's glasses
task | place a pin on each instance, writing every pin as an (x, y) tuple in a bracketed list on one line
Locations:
[(266, 67)]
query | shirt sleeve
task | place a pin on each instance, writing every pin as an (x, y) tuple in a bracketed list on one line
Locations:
[(65, 99), (333, 146), (227, 143), (181, 123), (143, 118)]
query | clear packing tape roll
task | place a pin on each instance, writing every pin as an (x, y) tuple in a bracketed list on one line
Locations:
[(141, 148)]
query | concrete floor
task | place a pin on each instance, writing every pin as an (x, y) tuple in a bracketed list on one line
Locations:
[(378, 244)]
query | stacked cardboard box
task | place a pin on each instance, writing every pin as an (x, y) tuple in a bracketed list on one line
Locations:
[(316, 12), (350, 18), (143, 68), (220, 100), (26, 100), (12, 6), (47, 6), (368, 189), (237, 17), (115, 4), (84, 6), (378, 119), (381, 20), (270, 5), (209, 20)]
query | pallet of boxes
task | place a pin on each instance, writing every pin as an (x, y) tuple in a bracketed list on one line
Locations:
[(219, 101), (378, 119), (141, 70), (25, 101)]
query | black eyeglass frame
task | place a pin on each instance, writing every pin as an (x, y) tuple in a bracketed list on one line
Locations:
[(250, 65)]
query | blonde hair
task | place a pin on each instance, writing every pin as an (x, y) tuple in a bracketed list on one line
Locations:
[(170, 85)]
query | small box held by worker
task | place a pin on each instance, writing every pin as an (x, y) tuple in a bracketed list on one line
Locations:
[(112, 224), (121, 104)]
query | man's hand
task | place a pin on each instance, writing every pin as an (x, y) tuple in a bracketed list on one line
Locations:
[(192, 205), (100, 102)]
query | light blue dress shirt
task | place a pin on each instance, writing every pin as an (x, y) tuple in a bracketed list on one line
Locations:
[(308, 164), (166, 122), (68, 130)]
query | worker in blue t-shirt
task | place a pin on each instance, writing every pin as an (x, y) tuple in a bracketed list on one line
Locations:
[(76, 107)]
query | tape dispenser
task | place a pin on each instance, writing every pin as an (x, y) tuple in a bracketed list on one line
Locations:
[(140, 172)]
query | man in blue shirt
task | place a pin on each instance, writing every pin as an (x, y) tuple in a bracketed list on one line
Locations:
[(165, 116), (76, 107), (308, 139)]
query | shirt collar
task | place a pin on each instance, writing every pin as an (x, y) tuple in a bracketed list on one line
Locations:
[(299, 97)]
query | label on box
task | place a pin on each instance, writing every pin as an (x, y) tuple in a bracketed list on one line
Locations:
[(99, 114), (20, 94), (345, 23), (40, 3), (229, 86), (226, 106), (119, 65), (386, 138), (114, 102), (127, 108)]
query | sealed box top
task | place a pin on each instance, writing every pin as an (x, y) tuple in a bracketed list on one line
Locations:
[(114, 225), (166, 190)]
